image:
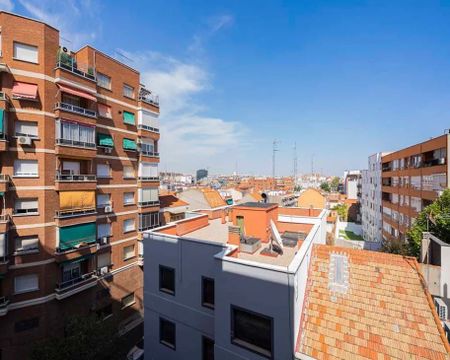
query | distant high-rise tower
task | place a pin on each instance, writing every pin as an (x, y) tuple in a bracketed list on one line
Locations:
[(201, 174)]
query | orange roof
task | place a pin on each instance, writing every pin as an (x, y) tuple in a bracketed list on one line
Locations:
[(384, 311), (213, 198), (350, 201), (167, 201), (257, 196)]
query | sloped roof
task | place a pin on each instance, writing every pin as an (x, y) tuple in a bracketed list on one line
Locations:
[(213, 198), (384, 313), (167, 201), (257, 196)]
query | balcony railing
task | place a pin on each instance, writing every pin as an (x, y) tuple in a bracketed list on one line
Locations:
[(2, 96), (148, 128), (75, 212), (75, 178), (148, 203), (76, 282), (148, 178), (76, 109), (149, 153), (75, 143), (72, 67), (149, 99)]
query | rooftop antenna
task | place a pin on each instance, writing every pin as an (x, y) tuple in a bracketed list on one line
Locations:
[(121, 54), (274, 151)]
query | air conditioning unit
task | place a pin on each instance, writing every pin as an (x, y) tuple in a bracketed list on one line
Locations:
[(108, 150), (104, 240), (442, 161), (138, 141), (108, 209), (441, 309), (24, 140)]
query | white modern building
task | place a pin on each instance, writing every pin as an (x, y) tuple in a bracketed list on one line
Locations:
[(371, 206), (352, 183)]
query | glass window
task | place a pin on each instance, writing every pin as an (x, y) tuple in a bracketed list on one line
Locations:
[(104, 110), (128, 172), (148, 170), (128, 252), (128, 91), (103, 200), (26, 128), (103, 230), (252, 331), (103, 171), (103, 80), (207, 348), (167, 332), (208, 292), (148, 196), (148, 221), (26, 168), (25, 283), (128, 300), (128, 198), (129, 225), (72, 133), (167, 279), (26, 206), (25, 244), (25, 52)]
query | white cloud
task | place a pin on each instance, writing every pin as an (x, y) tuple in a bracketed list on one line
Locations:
[(213, 25), (6, 5), (68, 16)]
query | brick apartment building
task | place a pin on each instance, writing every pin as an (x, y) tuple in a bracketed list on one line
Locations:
[(79, 182), (412, 178)]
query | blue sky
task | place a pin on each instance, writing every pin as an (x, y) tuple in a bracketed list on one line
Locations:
[(342, 79)]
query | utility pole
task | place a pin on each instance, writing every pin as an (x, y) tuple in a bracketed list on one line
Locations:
[(274, 151)]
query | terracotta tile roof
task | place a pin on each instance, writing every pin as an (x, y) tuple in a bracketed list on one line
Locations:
[(167, 201), (384, 313), (213, 198), (257, 196)]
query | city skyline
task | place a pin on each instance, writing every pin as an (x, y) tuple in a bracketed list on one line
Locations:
[(342, 85)]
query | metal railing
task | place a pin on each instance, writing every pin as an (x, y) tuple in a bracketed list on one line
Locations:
[(148, 203), (148, 128), (75, 177), (149, 99), (72, 283), (76, 109), (74, 70), (148, 178), (74, 212), (75, 143), (149, 153)]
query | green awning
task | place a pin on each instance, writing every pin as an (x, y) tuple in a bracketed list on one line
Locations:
[(2, 120), (128, 118), (71, 236), (129, 144), (230, 201), (105, 140), (77, 260)]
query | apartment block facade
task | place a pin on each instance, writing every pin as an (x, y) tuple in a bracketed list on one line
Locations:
[(79, 183), (412, 178), (371, 208)]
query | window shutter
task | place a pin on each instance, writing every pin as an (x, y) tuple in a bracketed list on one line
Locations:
[(103, 170), (103, 230), (25, 52)]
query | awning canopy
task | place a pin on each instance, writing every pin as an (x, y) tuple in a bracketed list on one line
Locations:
[(128, 118), (24, 90), (76, 92), (72, 236), (129, 144), (105, 140)]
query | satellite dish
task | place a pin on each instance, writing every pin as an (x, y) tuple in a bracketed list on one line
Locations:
[(276, 235)]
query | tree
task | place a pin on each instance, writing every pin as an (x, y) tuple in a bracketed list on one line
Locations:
[(435, 218), (325, 186), (335, 183), (86, 338), (342, 211)]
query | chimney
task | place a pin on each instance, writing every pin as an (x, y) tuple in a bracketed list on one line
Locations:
[(234, 235), (224, 220)]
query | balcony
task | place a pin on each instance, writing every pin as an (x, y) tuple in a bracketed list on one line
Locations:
[(76, 285), (76, 109), (67, 63), (148, 203), (148, 178), (65, 182), (4, 302), (148, 97), (75, 212), (75, 149), (149, 153), (147, 128), (4, 182), (83, 249)]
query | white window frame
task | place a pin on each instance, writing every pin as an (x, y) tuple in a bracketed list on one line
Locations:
[(126, 88), (102, 226), (131, 228), (29, 289), (102, 176), (27, 48), (133, 171), (101, 84), (26, 174), (34, 248), (133, 195), (26, 208), (128, 256), (30, 124), (103, 204)]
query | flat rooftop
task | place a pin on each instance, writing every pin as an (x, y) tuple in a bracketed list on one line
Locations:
[(257, 205)]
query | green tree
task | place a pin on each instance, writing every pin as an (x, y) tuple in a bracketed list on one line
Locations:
[(86, 338), (435, 218), (325, 186), (334, 183), (342, 211)]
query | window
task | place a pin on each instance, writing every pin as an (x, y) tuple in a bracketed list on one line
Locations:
[(128, 91), (75, 134), (128, 118), (148, 221), (105, 140), (128, 198), (128, 252), (148, 196), (26, 207), (103, 171), (104, 81), (103, 230), (27, 244), (26, 128), (148, 146), (26, 283), (167, 333), (148, 120), (27, 324), (207, 348), (129, 225), (26, 168), (104, 111), (103, 200), (167, 279), (148, 170), (128, 300), (252, 331), (71, 167), (25, 52), (208, 292), (129, 145), (128, 172)]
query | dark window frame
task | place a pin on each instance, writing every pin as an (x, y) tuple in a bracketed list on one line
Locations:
[(164, 342), (205, 341), (207, 304), (242, 343), (162, 289)]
